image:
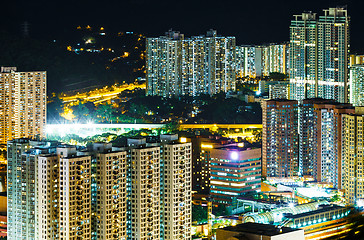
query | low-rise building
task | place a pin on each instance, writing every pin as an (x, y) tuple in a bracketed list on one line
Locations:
[(258, 231), (234, 171)]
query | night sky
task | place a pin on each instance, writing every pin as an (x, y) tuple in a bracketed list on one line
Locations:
[(252, 22)]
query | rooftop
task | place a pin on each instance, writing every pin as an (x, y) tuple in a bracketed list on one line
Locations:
[(325, 208), (259, 228), (236, 148)]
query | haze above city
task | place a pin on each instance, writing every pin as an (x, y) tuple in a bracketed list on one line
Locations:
[(251, 22)]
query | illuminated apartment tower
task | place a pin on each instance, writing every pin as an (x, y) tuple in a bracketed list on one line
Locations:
[(48, 225), (308, 137), (144, 191), (194, 72), (111, 195), (303, 59), (353, 157), (74, 193), (175, 188), (319, 55), (332, 54), (220, 62), (248, 61), (258, 61), (193, 66), (357, 85), (275, 59), (280, 138), (22, 104), (164, 65), (21, 192), (328, 129)]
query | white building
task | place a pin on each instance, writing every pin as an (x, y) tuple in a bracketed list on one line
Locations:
[(357, 85), (197, 65), (319, 55)]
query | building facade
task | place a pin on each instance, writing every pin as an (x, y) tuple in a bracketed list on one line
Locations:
[(279, 91), (74, 189), (176, 188), (111, 192), (328, 141), (308, 136), (23, 104), (260, 61), (58, 191), (280, 138), (144, 193), (357, 85), (20, 223), (199, 65), (353, 158), (319, 55), (234, 171)]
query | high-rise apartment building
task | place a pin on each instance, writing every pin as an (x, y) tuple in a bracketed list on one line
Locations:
[(234, 171), (111, 194), (175, 188), (328, 141), (275, 58), (280, 138), (357, 85), (21, 223), (248, 61), (319, 55), (164, 65), (74, 189), (159, 186), (303, 56), (23, 103), (144, 190), (308, 136), (353, 158), (199, 65), (259, 61), (139, 191)]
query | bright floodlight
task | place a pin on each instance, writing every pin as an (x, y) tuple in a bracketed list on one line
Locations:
[(234, 156)]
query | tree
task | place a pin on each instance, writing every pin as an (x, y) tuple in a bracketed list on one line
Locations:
[(220, 210), (54, 109), (199, 213), (81, 112), (105, 112), (277, 76)]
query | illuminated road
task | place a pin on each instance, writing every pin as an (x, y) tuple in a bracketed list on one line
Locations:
[(223, 126), (101, 95)]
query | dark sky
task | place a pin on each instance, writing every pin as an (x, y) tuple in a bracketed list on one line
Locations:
[(252, 22)]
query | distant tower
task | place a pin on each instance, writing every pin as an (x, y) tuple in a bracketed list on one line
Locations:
[(357, 85), (319, 55), (25, 29), (192, 66), (23, 104)]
